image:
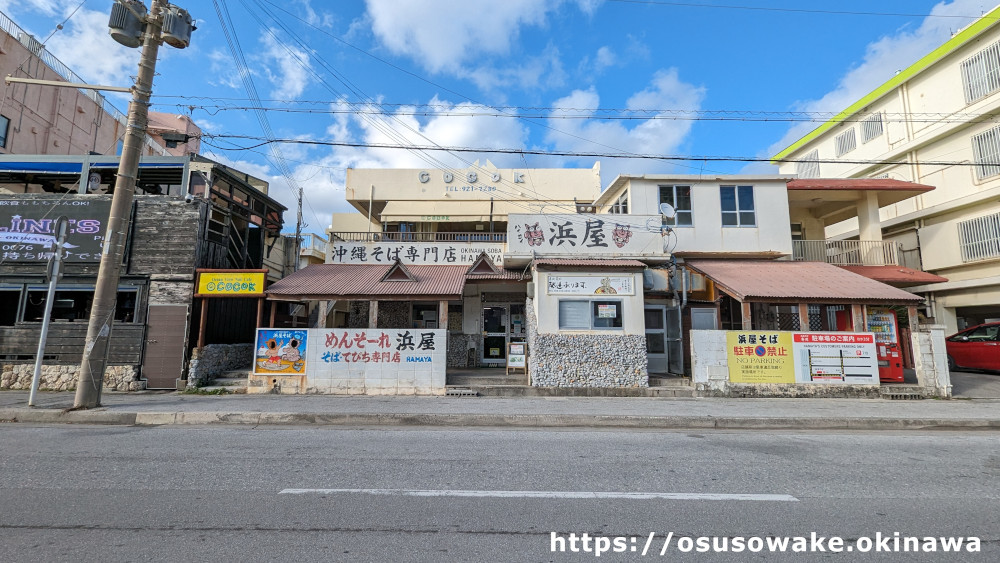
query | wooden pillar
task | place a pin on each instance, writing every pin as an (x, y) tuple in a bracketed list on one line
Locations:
[(274, 310), (804, 317), (260, 312), (321, 315), (203, 322), (858, 317), (747, 320), (911, 313), (373, 314), (443, 315)]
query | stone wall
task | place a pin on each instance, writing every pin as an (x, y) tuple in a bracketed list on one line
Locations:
[(358, 317), (64, 377), (216, 359), (584, 360), (393, 314), (458, 350)]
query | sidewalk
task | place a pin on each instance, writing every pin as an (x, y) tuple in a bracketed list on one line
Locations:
[(155, 408)]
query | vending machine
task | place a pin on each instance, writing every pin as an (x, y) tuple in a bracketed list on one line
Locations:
[(882, 322)]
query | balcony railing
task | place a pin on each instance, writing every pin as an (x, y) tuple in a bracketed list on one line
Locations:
[(418, 237), (847, 252), (312, 244)]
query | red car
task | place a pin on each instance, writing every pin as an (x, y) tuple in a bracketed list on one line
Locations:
[(975, 348)]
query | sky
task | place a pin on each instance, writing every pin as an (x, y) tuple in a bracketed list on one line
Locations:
[(539, 82)]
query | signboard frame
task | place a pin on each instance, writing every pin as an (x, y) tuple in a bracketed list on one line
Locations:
[(517, 356), (261, 272)]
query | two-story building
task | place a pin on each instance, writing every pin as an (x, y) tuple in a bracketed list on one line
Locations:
[(931, 123)]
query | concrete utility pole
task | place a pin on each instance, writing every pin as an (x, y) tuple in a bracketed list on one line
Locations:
[(102, 312)]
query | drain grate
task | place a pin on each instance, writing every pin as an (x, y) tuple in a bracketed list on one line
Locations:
[(902, 397), (460, 392)]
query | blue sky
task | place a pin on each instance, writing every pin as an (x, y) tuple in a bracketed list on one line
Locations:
[(422, 72)]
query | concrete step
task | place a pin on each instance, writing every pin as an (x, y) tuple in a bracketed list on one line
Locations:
[(657, 381), (479, 380), (901, 391), (230, 384)]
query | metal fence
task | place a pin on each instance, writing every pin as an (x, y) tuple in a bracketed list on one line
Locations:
[(847, 252), (979, 238), (418, 237)]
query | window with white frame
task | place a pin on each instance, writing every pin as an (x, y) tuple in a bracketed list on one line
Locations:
[(620, 205), (986, 151), (808, 165), (4, 129), (738, 208), (979, 238), (596, 314), (872, 127), (678, 197), (846, 142), (981, 73)]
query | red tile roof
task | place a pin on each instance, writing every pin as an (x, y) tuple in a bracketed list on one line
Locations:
[(896, 275), (363, 281), (762, 280), (856, 184), (599, 263)]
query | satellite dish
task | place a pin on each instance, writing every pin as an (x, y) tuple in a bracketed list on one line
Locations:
[(667, 210)]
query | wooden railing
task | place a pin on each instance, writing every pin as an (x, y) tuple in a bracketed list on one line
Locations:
[(847, 252)]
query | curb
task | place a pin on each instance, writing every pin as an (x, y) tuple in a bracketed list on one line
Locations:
[(51, 416)]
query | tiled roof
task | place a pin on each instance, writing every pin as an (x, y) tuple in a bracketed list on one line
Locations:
[(896, 275), (856, 184), (363, 281), (597, 263), (760, 280)]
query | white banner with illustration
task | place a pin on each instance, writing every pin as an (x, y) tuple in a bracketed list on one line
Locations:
[(590, 285), (357, 361)]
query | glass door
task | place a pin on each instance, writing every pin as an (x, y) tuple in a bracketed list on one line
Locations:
[(495, 331), (656, 338)]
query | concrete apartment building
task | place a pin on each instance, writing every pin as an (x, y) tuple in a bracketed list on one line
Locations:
[(933, 123)]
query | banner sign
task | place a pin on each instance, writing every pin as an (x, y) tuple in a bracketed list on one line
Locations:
[(27, 228), (765, 357), (516, 356), (580, 234), (231, 284), (590, 285), (419, 253), (281, 351)]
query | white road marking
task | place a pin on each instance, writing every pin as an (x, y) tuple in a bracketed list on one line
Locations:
[(544, 494)]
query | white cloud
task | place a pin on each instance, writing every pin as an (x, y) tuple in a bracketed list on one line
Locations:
[(544, 71), (46, 7), (444, 35), (604, 58), (286, 67), (319, 19), (882, 59), (86, 48), (652, 136)]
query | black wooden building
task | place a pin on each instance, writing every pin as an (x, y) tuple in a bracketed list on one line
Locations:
[(189, 212)]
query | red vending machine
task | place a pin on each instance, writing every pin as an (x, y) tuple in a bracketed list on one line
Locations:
[(882, 322)]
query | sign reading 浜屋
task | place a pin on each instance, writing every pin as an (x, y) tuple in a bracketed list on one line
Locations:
[(585, 234), (27, 228), (801, 357), (231, 284), (590, 285), (440, 254)]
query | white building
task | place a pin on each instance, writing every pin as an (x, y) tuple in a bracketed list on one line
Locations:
[(932, 123)]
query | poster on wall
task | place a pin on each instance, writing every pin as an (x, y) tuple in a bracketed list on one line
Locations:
[(27, 228), (760, 357), (590, 285), (280, 352), (516, 356), (765, 357)]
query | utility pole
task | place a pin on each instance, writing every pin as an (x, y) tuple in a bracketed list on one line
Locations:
[(102, 311), (298, 235)]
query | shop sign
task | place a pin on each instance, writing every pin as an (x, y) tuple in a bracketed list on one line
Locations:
[(281, 352), (440, 254), (583, 234), (516, 356), (765, 357), (231, 284), (27, 228), (590, 285)]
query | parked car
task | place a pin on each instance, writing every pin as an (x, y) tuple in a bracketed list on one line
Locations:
[(975, 348)]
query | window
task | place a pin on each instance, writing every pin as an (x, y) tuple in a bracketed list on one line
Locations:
[(4, 128), (979, 238), (590, 315), (986, 151), (10, 300), (808, 165), (738, 207), (620, 205), (987, 333), (981, 73), (74, 305), (846, 142), (679, 197), (872, 127)]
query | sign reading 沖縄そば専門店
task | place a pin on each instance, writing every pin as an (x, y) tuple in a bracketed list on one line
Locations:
[(590, 285), (418, 253)]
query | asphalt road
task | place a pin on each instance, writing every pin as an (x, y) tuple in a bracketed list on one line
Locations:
[(975, 384), (77, 493)]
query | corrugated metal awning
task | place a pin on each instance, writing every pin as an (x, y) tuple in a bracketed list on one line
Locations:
[(803, 282), (364, 282)]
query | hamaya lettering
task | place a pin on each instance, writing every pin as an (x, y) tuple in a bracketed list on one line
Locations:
[(567, 234)]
